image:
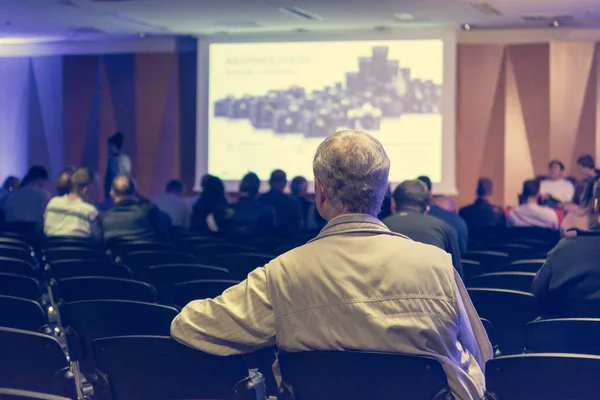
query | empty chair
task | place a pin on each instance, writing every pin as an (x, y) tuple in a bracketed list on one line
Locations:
[(126, 247), (71, 241), (508, 311), (519, 281), (18, 253), (490, 260), (532, 265), (164, 277), (22, 314), (240, 265), (36, 362), (153, 367), (569, 335), (72, 268), (89, 320), (543, 377), (206, 253), (358, 375), (516, 251), (188, 242), (17, 266), (265, 245), (70, 253), (140, 261), (185, 292), (102, 288), (19, 286), (470, 268), (491, 332), (15, 394), (14, 242)]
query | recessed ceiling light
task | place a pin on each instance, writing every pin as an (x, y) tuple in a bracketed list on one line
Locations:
[(403, 17), (466, 27), (555, 24)]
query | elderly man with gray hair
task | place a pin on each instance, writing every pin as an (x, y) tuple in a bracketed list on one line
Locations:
[(356, 286)]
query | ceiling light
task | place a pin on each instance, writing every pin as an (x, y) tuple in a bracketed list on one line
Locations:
[(466, 27), (555, 24), (28, 40), (403, 17)]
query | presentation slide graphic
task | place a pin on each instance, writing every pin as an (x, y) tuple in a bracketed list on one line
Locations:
[(280, 100)]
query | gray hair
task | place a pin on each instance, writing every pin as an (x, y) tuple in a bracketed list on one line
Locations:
[(353, 168)]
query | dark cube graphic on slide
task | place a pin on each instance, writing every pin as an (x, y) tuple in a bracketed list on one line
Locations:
[(381, 88)]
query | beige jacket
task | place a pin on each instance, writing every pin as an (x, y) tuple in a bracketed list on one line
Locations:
[(355, 286)]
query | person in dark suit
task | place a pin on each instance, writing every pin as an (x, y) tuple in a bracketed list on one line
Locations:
[(250, 218), (298, 188), (482, 214), (119, 163), (288, 218), (410, 203)]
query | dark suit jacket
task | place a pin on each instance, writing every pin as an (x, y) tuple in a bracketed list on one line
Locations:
[(135, 219), (457, 223), (481, 215), (287, 212)]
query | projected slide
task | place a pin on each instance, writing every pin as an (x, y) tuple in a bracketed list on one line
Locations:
[(271, 104)]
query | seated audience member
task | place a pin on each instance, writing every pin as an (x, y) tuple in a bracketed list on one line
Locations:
[(589, 174), (287, 209), (71, 214), (298, 188), (577, 216), (211, 213), (410, 202), (386, 206), (63, 182), (250, 218), (556, 188), (530, 213), (132, 218), (172, 203), (356, 286), (451, 218), (24, 208), (482, 214), (568, 285)]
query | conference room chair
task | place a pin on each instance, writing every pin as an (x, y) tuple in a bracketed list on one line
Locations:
[(491, 333), (470, 268), (93, 319), (354, 375), (18, 253), (165, 277), (529, 265), (188, 242), (240, 265), (519, 281), (569, 335), (14, 242), (103, 288), (157, 367), (16, 394), (490, 261), (74, 268), (36, 362), (21, 286), (508, 311), (140, 261), (126, 247), (516, 251), (71, 241), (23, 314), (265, 245), (206, 253), (185, 292), (70, 253), (10, 265), (548, 376)]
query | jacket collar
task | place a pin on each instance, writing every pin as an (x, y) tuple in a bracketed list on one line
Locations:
[(354, 223), (593, 231)]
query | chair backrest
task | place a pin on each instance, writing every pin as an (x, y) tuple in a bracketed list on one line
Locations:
[(21, 313), (470, 268), (16, 394), (14, 242), (10, 265), (124, 248), (508, 311), (153, 367), (241, 264), (185, 292), (18, 253), (519, 281), (106, 318), (490, 261), (164, 277), (19, 286), (356, 375), (188, 242), (103, 288), (206, 253), (532, 265), (491, 332), (73, 268), (543, 376), (569, 335), (140, 261), (71, 241), (70, 253), (34, 361)]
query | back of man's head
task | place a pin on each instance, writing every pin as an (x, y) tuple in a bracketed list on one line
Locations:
[(116, 140), (123, 187), (427, 181), (353, 168), (278, 180), (298, 186), (35, 174), (11, 183), (531, 188), (81, 180), (485, 187), (63, 182), (174, 186), (586, 161), (250, 184), (411, 195)]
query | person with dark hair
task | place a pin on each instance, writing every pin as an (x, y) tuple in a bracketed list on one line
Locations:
[(556, 188), (132, 218), (451, 218), (63, 182), (72, 214), (410, 204), (250, 218), (288, 217), (211, 212), (530, 213), (298, 189), (482, 214), (118, 162), (568, 284), (172, 203), (11, 183), (386, 206)]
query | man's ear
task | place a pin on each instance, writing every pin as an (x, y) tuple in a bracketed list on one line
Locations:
[(393, 204), (426, 210)]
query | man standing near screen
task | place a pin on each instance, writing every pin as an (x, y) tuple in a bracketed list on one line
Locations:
[(118, 162)]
